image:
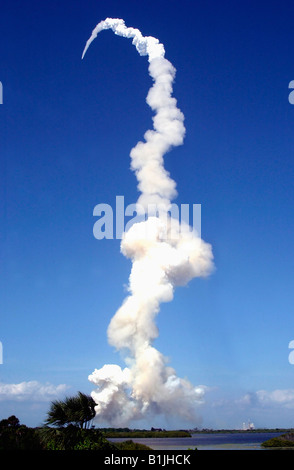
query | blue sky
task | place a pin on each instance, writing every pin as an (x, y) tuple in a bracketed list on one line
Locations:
[(67, 128)]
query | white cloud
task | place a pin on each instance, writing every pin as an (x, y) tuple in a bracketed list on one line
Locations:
[(31, 390), (264, 398), (266, 408), (280, 397)]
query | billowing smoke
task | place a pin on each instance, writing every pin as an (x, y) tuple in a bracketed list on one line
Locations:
[(164, 253)]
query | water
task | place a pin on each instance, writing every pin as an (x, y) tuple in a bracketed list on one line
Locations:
[(213, 441)]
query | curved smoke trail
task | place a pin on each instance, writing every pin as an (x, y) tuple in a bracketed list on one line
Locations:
[(164, 254)]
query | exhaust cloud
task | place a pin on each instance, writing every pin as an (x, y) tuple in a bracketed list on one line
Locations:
[(160, 262)]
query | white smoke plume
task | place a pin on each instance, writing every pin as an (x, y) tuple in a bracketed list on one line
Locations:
[(164, 254)]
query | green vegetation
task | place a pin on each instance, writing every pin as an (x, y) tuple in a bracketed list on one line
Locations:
[(67, 427), (135, 433), (130, 445), (285, 440), (73, 438), (238, 431), (16, 436), (78, 410), (71, 418)]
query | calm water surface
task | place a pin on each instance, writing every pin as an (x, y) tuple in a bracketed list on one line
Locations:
[(214, 441)]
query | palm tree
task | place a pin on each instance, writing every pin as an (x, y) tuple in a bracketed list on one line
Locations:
[(78, 410)]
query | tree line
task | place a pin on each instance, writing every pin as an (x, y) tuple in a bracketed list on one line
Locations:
[(67, 427)]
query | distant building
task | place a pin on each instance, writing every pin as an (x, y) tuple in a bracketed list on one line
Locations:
[(248, 426)]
